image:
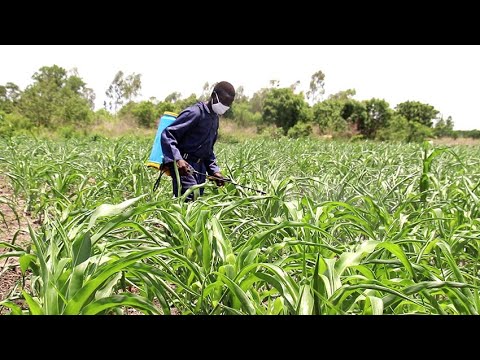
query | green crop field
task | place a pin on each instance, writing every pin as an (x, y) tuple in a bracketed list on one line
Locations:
[(344, 228)]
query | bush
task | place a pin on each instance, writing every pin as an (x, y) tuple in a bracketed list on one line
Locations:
[(145, 113), (284, 108), (103, 115), (398, 129), (419, 132), (300, 130), (14, 123), (69, 132), (357, 137), (228, 138), (269, 131)]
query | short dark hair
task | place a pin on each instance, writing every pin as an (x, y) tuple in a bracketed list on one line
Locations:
[(224, 88)]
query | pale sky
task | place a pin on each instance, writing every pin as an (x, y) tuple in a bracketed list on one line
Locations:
[(445, 76)]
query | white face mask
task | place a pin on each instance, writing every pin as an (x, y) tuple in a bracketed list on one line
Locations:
[(219, 108)]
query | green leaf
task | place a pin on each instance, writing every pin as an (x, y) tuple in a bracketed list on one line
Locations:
[(107, 289), (259, 237), (12, 254), (252, 255), (224, 247), (76, 280), (75, 305), (110, 210), (272, 281), (398, 252), (451, 261), (239, 293), (332, 275), (306, 301), (277, 306), (287, 283), (43, 271), (16, 310), (115, 301), (387, 300), (113, 223), (34, 306), (374, 304), (206, 251), (318, 286), (4, 244), (25, 261), (436, 285), (82, 248), (346, 260)]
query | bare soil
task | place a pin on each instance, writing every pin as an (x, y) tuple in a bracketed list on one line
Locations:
[(13, 230)]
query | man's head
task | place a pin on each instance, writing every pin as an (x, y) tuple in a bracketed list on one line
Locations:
[(222, 97)]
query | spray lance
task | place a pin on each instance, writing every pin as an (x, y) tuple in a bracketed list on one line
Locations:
[(192, 171)]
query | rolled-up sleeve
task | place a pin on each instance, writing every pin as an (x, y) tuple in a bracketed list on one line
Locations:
[(173, 134)]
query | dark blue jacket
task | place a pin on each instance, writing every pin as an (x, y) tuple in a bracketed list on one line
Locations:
[(194, 132)]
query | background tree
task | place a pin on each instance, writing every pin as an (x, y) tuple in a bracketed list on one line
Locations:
[(327, 114), (449, 124), (123, 88), (239, 107), (206, 92), (77, 99), (274, 83), (114, 92), (378, 114), (243, 115), (55, 98), (240, 95), (419, 117), (181, 104), (300, 130), (418, 132), (339, 113), (258, 99), (145, 113), (317, 87), (418, 112), (397, 129), (40, 100), (173, 97), (295, 85), (89, 95), (132, 86), (161, 107), (444, 127), (9, 95), (284, 108), (343, 95), (77, 85), (13, 122)]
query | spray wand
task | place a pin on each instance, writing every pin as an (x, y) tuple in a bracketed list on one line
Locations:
[(211, 177)]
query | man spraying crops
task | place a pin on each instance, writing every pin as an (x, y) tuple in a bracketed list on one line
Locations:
[(189, 141)]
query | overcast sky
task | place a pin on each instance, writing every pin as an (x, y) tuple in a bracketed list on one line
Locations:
[(445, 76)]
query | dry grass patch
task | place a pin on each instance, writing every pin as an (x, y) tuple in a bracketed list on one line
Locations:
[(458, 141)]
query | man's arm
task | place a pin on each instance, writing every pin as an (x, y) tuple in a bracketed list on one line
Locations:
[(211, 164)]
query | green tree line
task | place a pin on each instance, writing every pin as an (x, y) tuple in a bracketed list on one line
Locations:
[(57, 98)]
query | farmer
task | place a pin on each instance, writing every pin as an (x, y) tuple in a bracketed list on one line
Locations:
[(190, 139)]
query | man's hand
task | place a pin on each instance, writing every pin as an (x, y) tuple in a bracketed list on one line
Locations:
[(183, 167), (219, 181)]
